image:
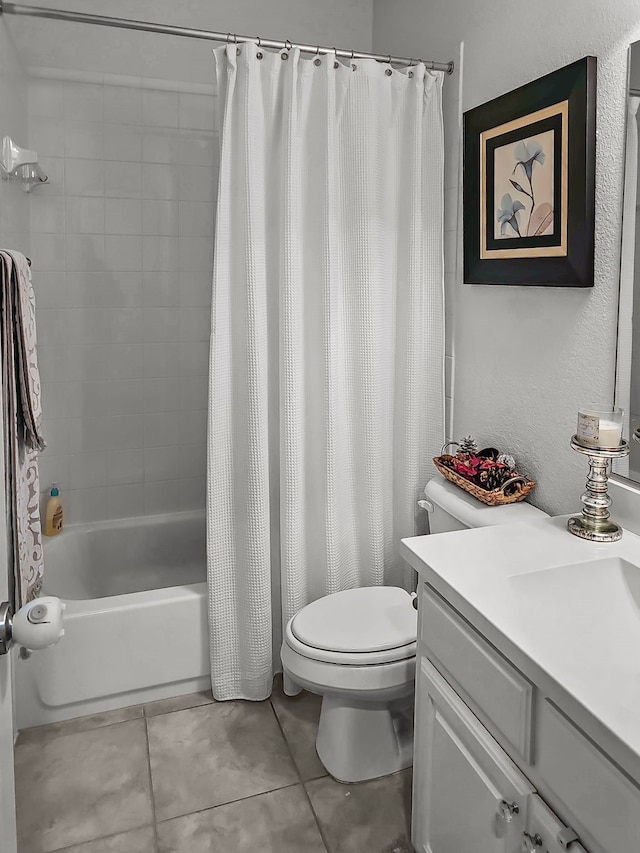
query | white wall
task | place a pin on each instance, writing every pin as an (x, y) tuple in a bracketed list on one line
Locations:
[(527, 357)]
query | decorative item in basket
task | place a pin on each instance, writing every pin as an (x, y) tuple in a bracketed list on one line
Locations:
[(488, 475)]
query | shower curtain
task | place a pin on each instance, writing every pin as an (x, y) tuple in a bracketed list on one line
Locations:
[(327, 348)]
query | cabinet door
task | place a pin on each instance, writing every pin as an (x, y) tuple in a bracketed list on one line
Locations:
[(468, 794), (545, 831)]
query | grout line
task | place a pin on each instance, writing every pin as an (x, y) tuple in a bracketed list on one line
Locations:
[(301, 780), (228, 803), (101, 838), (151, 793), (54, 736)]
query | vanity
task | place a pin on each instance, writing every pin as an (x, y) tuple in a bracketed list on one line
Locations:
[(527, 728)]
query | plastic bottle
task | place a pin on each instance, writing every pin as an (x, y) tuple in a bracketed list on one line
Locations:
[(53, 514)]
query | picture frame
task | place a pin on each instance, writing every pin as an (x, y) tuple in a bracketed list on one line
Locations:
[(529, 183)]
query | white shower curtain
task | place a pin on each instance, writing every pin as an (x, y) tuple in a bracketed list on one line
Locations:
[(327, 348)]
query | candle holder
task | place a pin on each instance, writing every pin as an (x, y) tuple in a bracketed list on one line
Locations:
[(595, 522)]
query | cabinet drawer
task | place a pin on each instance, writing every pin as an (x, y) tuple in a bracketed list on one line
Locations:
[(496, 688), (598, 795)]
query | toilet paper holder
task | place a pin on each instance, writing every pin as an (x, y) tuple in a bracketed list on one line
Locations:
[(37, 624)]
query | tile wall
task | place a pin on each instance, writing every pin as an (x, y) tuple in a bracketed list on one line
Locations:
[(122, 242)]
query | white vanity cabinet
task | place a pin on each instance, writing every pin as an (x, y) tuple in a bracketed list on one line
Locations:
[(472, 794), (468, 795)]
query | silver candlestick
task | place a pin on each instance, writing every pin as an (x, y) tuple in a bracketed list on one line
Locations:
[(595, 522)]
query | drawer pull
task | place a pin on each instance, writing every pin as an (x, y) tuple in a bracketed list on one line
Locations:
[(566, 836), (506, 811), (531, 843)]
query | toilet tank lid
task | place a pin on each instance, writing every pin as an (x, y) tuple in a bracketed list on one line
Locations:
[(471, 512), (367, 619)]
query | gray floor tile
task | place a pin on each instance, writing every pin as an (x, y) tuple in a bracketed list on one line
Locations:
[(214, 754), (369, 816), (177, 703), (80, 724), (298, 716), (82, 786), (137, 841), (277, 822)]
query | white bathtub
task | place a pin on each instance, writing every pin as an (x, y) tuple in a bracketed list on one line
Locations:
[(136, 619)]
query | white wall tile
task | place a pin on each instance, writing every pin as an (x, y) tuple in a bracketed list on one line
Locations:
[(125, 396), (87, 470), (47, 214), (159, 218), (83, 102), (123, 253), (56, 436), (192, 493), (127, 501), (125, 361), (194, 358), (160, 180), (195, 324), (122, 142), (87, 326), (54, 469), (125, 432), (160, 147), (162, 497), (197, 148), (161, 360), (52, 361), (84, 215), (122, 180), (55, 399), (122, 104), (193, 460), (196, 111), (124, 289), (85, 252), (86, 399), (160, 254), (196, 288), (160, 289), (161, 429), (196, 219), (197, 183), (84, 140), (193, 394), (86, 505), (47, 252), (161, 463), (46, 136), (160, 109), (125, 467), (87, 435), (193, 426), (160, 325), (45, 98), (84, 177), (123, 216), (52, 326), (51, 291), (161, 395), (87, 290), (125, 324)]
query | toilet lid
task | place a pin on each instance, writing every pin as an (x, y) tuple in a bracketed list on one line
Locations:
[(368, 619)]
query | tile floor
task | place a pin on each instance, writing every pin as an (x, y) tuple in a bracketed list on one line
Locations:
[(190, 775)]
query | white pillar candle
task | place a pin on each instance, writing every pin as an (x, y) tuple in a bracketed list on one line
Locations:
[(600, 427)]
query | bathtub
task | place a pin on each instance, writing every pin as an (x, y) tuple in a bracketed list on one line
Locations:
[(136, 620)]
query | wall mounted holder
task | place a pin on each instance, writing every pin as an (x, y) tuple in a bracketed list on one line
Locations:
[(20, 164), (595, 522)]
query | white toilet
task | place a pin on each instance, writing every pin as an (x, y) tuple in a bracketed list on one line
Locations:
[(357, 649)]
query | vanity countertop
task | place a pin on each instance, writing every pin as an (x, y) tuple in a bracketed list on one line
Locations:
[(564, 610)]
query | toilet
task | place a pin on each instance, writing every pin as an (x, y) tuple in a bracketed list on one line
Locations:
[(357, 649)]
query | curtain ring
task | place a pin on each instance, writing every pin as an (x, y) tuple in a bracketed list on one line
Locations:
[(288, 45), (228, 38), (410, 74), (317, 61), (336, 64), (259, 54)]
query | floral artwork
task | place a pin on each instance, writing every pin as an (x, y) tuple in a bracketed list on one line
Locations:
[(524, 187)]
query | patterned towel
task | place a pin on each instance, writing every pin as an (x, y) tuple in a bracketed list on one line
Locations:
[(22, 417)]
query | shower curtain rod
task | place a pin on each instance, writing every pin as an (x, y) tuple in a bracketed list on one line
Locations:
[(190, 32)]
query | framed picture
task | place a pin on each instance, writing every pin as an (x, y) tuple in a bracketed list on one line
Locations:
[(529, 182)]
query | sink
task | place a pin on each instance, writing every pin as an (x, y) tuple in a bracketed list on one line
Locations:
[(589, 606)]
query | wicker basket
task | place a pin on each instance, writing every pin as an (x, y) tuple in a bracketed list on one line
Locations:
[(496, 497)]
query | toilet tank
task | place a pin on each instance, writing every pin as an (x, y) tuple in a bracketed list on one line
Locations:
[(450, 508)]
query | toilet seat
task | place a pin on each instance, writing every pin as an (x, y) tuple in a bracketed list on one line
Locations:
[(358, 627)]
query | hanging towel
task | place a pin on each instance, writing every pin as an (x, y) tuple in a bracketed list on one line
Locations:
[(22, 417)]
